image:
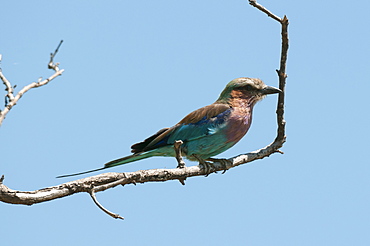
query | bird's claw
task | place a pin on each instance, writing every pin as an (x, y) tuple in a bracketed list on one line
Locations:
[(207, 166), (180, 164), (224, 163)]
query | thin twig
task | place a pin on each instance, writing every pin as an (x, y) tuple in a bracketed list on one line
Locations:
[(12, 100), (51, 64), (8, 86), (116, 216), (263, 9)]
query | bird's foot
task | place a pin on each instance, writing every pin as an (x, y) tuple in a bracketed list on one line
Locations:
[(180, 160), (207, 166), (224, 162)]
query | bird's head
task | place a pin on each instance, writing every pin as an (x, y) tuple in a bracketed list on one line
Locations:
[(249, 89)]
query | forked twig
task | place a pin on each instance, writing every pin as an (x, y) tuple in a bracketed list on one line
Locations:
[(11, 100)]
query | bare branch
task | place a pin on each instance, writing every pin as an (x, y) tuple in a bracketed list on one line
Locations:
[(106, 181), (12, 100), (280, 139), (282, 78)]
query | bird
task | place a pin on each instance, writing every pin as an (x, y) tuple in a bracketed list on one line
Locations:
[(205, 132)]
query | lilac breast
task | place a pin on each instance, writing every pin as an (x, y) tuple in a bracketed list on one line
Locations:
[(238, 125)]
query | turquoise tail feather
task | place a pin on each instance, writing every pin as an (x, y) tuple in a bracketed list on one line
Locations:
[(120, 161), (128, 159)]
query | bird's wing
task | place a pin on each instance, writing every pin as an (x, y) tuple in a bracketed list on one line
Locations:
[(140, 147), (205, 113), (202, 122), (198, 123)]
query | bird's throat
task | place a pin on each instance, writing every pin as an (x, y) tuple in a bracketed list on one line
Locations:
[(239, 99)]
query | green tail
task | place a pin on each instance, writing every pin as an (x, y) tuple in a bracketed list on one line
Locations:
[(128, 159), (121, 161)]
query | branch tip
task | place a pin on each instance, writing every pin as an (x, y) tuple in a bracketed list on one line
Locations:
[(285, 19), (116, 216), (266, 11), (57, 49), (51, 64), (182, 181)]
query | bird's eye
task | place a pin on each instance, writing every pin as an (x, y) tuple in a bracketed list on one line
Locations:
[(248, 87)]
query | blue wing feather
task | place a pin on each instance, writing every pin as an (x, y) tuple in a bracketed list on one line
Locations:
[(202, 128), (202, 122)]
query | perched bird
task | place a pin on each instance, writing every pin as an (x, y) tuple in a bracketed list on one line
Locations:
[(206, 132)]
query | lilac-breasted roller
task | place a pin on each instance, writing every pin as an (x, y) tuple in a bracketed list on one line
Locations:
[(205, 132)]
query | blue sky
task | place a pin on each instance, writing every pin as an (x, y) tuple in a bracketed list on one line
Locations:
[(134, 67)]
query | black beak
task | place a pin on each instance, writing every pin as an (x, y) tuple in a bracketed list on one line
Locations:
[(270, 90)]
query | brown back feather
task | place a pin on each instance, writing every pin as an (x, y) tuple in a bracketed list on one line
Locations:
[(207, 111), (195, 116)]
